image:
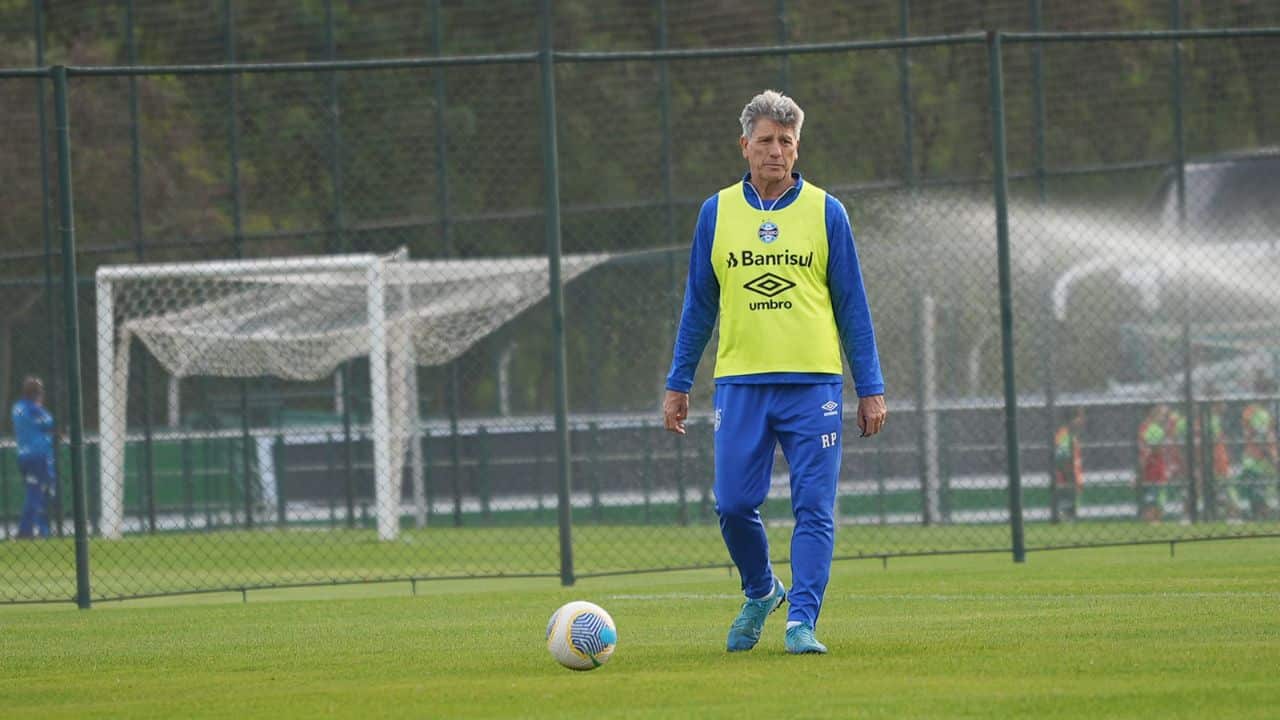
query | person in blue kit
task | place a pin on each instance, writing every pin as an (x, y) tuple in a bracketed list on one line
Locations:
[(33, 426), (773, 257)]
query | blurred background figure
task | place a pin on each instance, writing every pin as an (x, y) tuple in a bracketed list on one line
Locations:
[(1254, 495), (1068, 468), (1177, 472), (1220, 460), (33, 428), (1153, 475)]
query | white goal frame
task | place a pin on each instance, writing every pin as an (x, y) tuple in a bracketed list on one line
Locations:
[(113, 369)]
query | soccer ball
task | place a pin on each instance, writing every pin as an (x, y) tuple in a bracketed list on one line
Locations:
[(581, 635)]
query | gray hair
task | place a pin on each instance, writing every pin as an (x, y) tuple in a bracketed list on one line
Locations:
[(775, 106)]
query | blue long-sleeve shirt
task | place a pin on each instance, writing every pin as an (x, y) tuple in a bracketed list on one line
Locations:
[(33, 427), (844, 281)]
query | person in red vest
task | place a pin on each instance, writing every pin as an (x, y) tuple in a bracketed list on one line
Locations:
[(1153, 478), (1068, 468)]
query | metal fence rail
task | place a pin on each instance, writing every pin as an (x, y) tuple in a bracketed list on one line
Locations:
[(1026, 258)]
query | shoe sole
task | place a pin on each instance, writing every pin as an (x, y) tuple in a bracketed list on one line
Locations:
[(809, 651)]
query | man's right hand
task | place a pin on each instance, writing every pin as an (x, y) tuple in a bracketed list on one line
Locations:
[(675, 409)]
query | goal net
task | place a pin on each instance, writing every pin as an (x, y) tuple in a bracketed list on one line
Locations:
[(299, 319)]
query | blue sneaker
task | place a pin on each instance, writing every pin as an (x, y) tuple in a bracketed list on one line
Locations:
[(746, 628), (800, 640)]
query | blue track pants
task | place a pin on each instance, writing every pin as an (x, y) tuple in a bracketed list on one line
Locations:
[(37, 475), (751, 420)]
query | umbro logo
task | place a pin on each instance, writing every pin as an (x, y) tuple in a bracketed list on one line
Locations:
[(831, 407), (769, 285)]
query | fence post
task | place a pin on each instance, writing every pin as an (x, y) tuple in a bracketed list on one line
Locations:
[(1204, 461), (784, 33), (455, 443), (594, 471), (483, 487), (446, 237), (551, 168), (646, 476), (1050, 397), (1037, 98), (668, 170), (664, 104), (232, 519), (538, 471), (237, 228), (923, 447), (337, 244), (1189, 411), (75, 402), (246, 455), (188, 484), (682, 503), (46, 226), (1180, 150), (338, 240), (139, 252), (880, 483), (904, 91), (428, 480), (206, 485), (944, 471), (441, 146), (1179, 144), (4, 493), (1001, 182), (1042, 192), (706, 477), (93, 485), (348, 447), (233, 129), (281, 470)]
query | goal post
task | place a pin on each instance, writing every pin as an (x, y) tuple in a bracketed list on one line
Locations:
[(385, 502), (114, 340), (300, 318)]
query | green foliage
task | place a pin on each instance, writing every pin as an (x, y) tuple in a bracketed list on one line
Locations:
[(352, 162)]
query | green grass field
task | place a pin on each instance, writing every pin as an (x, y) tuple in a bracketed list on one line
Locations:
[(199, 561), (1120, 632)]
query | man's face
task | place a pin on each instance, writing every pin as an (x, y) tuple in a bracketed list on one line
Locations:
[(771, 151)]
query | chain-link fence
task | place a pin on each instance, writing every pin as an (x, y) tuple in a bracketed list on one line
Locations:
[(319, 341)]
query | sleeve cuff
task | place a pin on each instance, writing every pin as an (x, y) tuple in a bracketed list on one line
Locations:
[(679, 387), (870, 390)]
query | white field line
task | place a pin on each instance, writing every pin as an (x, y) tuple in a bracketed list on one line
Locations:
[(974, 597)]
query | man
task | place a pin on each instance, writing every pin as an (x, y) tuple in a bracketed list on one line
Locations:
[(33, 427), (1068, 467), (774, 256), (1152, 476)]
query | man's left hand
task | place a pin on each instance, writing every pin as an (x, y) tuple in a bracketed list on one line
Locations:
[(871, 414)]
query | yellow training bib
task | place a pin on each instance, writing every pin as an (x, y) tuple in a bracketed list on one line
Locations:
[(775, 307)]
